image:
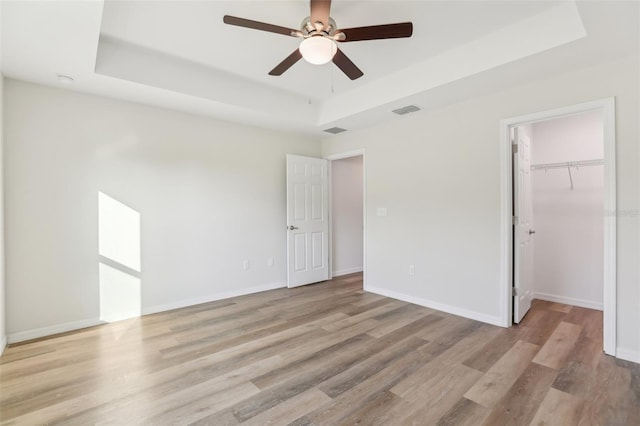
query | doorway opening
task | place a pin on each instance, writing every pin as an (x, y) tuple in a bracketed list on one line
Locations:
[(558, 180), (347, 216)]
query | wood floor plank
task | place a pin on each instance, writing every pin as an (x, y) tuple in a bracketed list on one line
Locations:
[(345, 404), (448, 349), (290, 409), (342, 362), (577, 375), (464, 413), (428, 403), (589, 319), (28, 353), (173, 402), (237, 330), (494, 349), (575, 378), (539, 325), (610, 401), (448, 322), (555, 351), (551, 306), (444, 342), (502, 375), (373, 410), (224, 418), (237, 347), (368, 314), (586, 350), (368, 367), (469, 343), (322, 354), (558, 408), (371, 297), (325, 358), (296, 353), (113, 397), (536, 328), (398, 318), (199, 408), (519, 404), (356, 309)]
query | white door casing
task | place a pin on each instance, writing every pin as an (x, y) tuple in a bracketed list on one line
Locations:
[(523, 226), (610, 311), (307, 220)]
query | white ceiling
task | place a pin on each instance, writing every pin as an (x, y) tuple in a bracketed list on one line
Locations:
[(180, 55)]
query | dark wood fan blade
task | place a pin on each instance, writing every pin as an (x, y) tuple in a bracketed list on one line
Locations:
[(377, 32), (347, 67), (287, 63), (320, 11), (248, 23)]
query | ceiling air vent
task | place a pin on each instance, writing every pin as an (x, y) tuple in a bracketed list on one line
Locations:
[(335, 130), (406, 110)]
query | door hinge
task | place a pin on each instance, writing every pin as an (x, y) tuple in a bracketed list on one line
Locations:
[(514, 291), (514, 220), (514, 148)]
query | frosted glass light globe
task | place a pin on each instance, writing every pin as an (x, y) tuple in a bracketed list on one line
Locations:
[(318, 50)]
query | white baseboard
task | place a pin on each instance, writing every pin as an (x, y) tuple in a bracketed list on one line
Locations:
[(437, 306), (211, 298), (3, 344), (76, 325), (36, 333), (628, 355), (120, 316), (346, 272), (568, 300)]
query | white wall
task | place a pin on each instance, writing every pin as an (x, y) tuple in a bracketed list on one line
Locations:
[(346, 215), (568, 248), (3, 328), (438, 174), (209, 194)]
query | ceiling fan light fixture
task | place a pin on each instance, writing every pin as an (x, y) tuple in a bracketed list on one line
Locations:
[(318, 50)]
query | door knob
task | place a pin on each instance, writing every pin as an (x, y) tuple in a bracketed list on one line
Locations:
[(291, 228), (531, 231)]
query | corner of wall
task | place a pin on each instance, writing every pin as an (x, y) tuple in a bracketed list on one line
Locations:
[(3, 328)]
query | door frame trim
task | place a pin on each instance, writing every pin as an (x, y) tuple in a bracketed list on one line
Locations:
[(340, 156), (607, 106)]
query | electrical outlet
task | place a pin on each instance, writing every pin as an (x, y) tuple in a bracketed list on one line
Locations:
[(270, 261), (412, 270), (245, 265)]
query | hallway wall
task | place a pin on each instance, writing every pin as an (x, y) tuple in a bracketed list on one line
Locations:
[(347, 218)]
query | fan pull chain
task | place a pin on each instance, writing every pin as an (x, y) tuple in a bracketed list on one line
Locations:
[(332, 71)]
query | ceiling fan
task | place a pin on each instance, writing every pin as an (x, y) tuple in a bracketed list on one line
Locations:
[(320, 34)]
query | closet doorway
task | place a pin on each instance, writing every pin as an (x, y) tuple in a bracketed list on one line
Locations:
[(347, 218), (561, 188), (565, 234)]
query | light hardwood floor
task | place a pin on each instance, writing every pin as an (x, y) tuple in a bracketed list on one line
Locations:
[(324, 354)]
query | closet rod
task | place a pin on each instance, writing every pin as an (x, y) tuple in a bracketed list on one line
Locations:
[(583, 163)]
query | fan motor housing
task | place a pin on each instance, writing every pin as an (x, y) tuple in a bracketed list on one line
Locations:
[(309, 28)]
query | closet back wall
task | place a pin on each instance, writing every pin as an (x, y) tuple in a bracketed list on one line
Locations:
[(569, 223), (209, 195)]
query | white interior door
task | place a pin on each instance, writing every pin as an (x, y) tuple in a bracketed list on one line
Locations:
[(523, 227), (307, 220)]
